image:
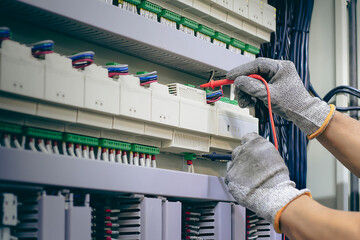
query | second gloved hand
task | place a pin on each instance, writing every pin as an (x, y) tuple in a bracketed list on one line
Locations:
[(259, 179), (289, 97)]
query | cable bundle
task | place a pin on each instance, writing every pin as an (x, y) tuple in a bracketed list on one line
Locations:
[(5, 33), (39, 49), (212, 97), (82, 59), (146, 77), (289, 42), (116, 69)]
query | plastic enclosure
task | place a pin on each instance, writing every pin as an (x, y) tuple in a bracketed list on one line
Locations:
[(135, 100), (241, 7), (269, 17), (164, 106), (101, 92), (195, 114), (63, 83), (20, 72), (226, 3), (234, 121), (255, 11)]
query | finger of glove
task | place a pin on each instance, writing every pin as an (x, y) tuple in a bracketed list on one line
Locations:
[(250, 136), (245, 101), (264, 66), (251, 86)]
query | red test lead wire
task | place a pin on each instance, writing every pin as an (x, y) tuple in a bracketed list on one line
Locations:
[(222, 82)]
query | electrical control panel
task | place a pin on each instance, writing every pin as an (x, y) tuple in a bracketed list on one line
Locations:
[(85, 149)]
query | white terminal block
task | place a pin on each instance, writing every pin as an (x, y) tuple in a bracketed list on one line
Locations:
[(165, 107), (20, 71), (241, 7), (63, 83), (233, 121), (226, 3), (255, 11), (269, 17), (101, 92), (135, 100), (195, 113)]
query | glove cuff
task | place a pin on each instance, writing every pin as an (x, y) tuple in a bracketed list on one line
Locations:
[(278, 214), (325, 124)]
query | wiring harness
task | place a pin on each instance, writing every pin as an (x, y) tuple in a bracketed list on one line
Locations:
[(116, 69), (40, 49), (5, 33), (215, 96), (147, 77), (82, 59)]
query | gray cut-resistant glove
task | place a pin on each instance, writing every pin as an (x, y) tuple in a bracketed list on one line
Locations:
[(289, 97), (259, 180)]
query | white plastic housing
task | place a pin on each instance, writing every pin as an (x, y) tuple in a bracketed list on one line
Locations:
[(233, 121), (255, 11), (187, 141), (242, 7), (20, 72), (269, 17), (101, 92), (135, 100), (164, 106), (195, 113), (63, 83)]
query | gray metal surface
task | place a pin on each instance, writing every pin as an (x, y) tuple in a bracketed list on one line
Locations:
[(78, 222), (151, 213), (238, 222), (171, 220), (110, 26), (223, 221), (56, 170), (51, 218)]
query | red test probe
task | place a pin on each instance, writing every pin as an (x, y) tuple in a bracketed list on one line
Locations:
[(212, 84)]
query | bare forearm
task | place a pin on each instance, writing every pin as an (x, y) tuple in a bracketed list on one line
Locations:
[(341, 138), (306, 219)]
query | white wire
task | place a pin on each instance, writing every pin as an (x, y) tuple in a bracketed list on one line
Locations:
[(49, 146), (142, 161), (7, 141), (41, 146), (98, 155), (105, 156), (147, 161), (56, 148), (78, 151), (92, 154), (17, 144), (136, 159), (85, 152), (118, 156), (125, 158), (32, 145), (71, 150), (112, 155), (153, 163), (131, 158), (64, 149), (23, 142)]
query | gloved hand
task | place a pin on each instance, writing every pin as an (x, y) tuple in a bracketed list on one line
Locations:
[(289, 97), (259, 179)]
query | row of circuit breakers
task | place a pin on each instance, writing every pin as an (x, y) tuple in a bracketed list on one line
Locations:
[(32, 214)]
